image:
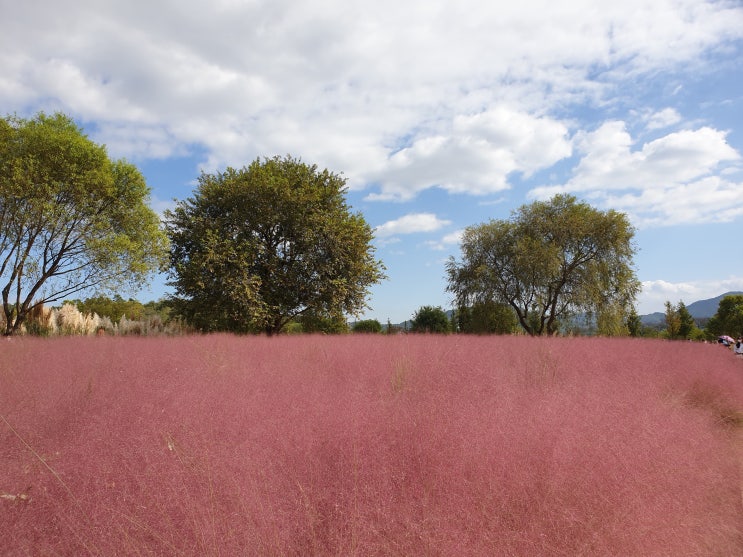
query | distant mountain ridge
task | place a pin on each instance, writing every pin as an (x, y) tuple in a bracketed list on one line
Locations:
[(701, 309)]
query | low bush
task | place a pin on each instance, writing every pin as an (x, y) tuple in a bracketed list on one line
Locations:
[(369, 445), (68, 320), (367, 326)]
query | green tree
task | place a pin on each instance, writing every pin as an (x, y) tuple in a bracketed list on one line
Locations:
[(71, 219), (256, 248), (611, 319), (634, 323), (486, 317), (550, 260), (729, 317), (673, 323), (311, 322), (687, 325), (429, 319), (367, 326), (679, 322), (113, 308)]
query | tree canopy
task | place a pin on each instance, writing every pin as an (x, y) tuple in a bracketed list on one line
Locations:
[(486, 317), (550, 260), (429, 319), (113, 308), (258, 247), (71, 219), (367, 326), (729, 317), (679, 322)]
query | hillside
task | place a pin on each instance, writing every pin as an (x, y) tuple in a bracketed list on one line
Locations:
[(701, 309)]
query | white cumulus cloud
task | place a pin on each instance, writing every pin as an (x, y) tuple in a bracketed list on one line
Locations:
[(400, 97), (474, 154), (663, 119), (670, 180), (411, 224)]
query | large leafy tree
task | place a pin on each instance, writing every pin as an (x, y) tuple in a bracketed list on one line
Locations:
[(258, 247), (729, 317), (550, 260), (429, 319), (71, 219), (673, 321)]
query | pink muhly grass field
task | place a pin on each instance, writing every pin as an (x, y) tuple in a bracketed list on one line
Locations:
[(369, 445)]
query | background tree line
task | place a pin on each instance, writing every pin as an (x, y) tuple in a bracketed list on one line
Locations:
[(273, 247)]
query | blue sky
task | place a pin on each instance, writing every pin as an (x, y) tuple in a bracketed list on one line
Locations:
[(440, 114)]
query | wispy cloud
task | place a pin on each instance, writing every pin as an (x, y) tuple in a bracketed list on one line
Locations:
[(452, 239), (663, 119), (410, 224)]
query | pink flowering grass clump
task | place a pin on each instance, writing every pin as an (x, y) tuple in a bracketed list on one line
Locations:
[(369, 445)]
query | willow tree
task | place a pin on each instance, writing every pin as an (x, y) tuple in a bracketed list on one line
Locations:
[(71, 219), (550, 260), (256, 248)]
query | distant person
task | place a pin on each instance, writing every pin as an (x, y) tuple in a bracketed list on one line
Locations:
[(739, 347)]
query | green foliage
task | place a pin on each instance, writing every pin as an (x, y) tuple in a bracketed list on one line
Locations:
[(673, 322), (679, 323), (160, 308), (367, 326), (729, 317), (311, 322), (71, 219), (687, 326), (650, 331), (486, 317), (551, 260), (697, 334), (113, 308), (429, 319), (294, 328), (256, 248), (634, 323), (131, 315)]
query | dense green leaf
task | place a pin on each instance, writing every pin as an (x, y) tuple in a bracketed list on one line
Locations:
[(551, 260), (259, 247), (71, 219), (429, 319)]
